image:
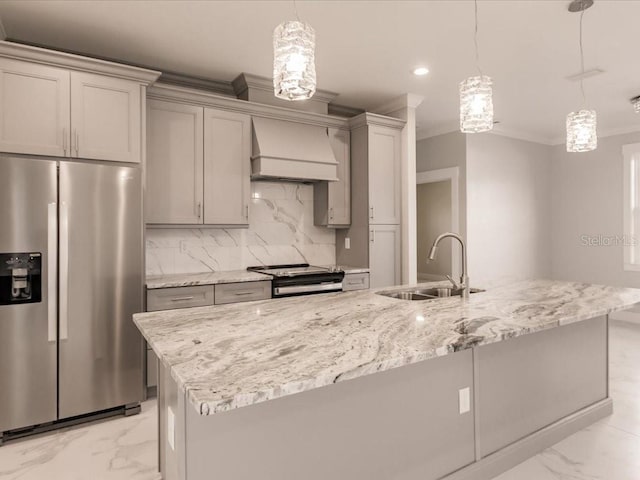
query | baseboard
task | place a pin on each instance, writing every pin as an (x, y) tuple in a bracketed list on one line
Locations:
[(511, 455)]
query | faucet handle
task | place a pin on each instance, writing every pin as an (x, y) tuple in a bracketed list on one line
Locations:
[(455, 284)]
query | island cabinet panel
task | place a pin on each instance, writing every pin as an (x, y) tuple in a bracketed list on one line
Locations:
[(34, 108), (401, 424), (529, 382), (227, 167), (174, 193)]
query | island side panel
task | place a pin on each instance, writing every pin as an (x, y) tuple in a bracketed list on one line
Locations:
[(529, 382), (171, 442), (402, 424)]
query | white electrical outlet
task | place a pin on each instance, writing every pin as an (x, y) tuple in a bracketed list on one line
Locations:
[(171, 428), (347, 243), (464, 400)]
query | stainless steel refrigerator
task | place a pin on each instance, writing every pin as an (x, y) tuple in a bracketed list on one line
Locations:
[(71, 266)]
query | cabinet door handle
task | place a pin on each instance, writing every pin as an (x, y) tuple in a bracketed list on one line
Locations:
[(373, 236), (371, 212), (181, 299), (77, 144), (246, 212), (199, 209), (64, 140), (331, 213)]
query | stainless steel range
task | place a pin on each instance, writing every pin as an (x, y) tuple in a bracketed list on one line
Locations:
[(301, 279)]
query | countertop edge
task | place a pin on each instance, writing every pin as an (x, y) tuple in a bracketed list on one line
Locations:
[(302, 385)]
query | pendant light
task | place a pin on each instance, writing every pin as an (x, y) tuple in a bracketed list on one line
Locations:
[(476, 96), (582, 124), (294, 69), (635, 101)]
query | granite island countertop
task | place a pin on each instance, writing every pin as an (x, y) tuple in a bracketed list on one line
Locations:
[(231, 356)]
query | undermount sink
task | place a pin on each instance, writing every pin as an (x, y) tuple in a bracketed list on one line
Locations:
[(427, 293)]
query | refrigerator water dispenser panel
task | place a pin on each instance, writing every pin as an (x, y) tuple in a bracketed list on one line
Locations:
[(20, 278)]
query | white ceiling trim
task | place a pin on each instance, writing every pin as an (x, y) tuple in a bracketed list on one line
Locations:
[(422, 133), (612, 132), (408, 100), (520, 135)]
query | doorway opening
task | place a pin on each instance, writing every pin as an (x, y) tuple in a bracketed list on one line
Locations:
[(438, 211)]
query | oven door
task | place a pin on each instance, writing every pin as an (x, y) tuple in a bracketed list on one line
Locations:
[(307, 284)]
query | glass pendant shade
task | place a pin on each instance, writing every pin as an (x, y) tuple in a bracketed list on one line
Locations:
[(294, 69), (476, 104), (636, 104), (581, 131)]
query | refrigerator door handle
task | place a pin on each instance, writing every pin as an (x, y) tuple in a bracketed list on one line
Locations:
[(64, 271), (52, 270)]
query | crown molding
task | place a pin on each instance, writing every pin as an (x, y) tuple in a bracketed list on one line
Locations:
[(160, 91), (214, 86), (611, 132), (56, 58), (520, 135), (376, 119), (408, 100), (246, 81), (344, 111)]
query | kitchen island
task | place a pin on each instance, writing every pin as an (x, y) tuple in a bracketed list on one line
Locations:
[(484, 383)]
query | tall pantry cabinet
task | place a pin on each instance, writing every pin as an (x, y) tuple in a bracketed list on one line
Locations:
[(374, 236)]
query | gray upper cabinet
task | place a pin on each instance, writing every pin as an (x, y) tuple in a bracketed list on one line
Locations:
[(227, 167), (198, 166), (34, 103), (53, 111), (332, 200), (174, 193), (105, 118), (384, 175), (374, 234)]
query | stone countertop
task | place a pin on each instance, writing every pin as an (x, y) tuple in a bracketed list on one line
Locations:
[(210, 278), (231, 356)]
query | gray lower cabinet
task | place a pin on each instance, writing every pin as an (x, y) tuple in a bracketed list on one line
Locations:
[(199, 296)]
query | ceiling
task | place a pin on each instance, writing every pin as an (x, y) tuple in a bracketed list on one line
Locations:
[(366, 50)]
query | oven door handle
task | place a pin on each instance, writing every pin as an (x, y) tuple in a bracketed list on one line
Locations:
[(317, 287)]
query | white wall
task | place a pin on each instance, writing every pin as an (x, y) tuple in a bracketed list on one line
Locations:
[(445, 151), (587, 200), (508, 208), (434, 217)]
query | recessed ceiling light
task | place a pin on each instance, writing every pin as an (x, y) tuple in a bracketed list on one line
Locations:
[(420, 71)]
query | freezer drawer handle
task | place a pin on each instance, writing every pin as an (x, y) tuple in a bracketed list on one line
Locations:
[(52, 271), (64, 271)]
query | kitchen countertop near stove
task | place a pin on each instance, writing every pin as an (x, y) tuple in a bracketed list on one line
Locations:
[(231, 356), (210, 278)]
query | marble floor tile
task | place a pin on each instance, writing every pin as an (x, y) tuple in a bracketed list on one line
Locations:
[(126, 448), (123, 448), (609, 449)]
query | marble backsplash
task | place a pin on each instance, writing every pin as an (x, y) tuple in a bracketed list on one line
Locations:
[(281, 230)]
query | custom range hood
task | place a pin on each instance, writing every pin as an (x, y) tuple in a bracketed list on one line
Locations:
[(291, 151)]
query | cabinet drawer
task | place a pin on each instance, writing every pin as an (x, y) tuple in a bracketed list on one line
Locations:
[(355, 281), (242, 292), (179, 297)]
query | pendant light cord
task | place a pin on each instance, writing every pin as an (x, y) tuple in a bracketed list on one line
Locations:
[(295, 9), (584, 97), (475, 37)]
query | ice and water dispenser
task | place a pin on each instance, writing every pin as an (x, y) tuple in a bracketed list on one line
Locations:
[(20, 278)]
